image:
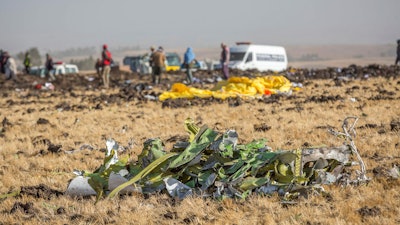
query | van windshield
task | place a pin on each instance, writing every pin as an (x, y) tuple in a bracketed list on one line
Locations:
[(173, 60), (237, 56)]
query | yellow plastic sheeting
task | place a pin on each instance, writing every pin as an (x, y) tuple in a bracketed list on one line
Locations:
[(233, 87)]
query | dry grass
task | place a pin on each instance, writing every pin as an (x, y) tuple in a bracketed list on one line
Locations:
[(293, 122)]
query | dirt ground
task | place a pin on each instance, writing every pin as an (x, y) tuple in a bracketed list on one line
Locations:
[(46, 133)]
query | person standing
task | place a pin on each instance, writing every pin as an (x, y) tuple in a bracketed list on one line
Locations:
[(2, 61), (106, 62), (27, 63), (49, 65), (10, 67), (188, 60), (98, 67), (144, 65), (151, 64), (158, 58), (398, 53), (225, 61)]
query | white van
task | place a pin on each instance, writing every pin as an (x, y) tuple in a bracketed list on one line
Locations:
[(245, 56), (61, 68)]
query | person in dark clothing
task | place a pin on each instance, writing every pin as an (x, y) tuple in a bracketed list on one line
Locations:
[(225, 61), (49, 67), (99, 67), (398, 53), (151, 64), (2, 62)]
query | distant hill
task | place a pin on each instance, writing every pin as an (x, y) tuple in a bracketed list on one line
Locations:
[(320, 56)]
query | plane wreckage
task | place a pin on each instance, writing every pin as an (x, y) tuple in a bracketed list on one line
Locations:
[(213, 164)]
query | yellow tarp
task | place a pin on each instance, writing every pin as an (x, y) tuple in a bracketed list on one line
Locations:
[(233, 87)]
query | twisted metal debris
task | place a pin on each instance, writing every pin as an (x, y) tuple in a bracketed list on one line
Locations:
[(213, 164)]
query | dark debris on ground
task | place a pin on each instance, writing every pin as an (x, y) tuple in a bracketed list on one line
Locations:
[(127, 86)]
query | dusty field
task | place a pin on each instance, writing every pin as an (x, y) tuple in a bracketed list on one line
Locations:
[(39, 127)]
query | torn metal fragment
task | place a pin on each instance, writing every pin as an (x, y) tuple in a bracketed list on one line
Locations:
[(79, 186), (394, 172), (177, 189), (340, 154), (115, 180)]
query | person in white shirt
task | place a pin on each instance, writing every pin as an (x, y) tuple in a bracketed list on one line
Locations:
[(10, 67)]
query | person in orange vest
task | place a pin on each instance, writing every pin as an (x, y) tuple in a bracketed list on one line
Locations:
[(106, 63)]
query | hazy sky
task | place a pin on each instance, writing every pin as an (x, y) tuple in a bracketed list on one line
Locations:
[(61, 24)]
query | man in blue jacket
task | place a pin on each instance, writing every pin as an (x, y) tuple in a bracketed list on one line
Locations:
[(188, 61)]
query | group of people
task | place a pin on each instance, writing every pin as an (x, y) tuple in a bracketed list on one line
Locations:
[(49, 65), (189, 60), (9, 67), (157, 60), (157, 63)]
